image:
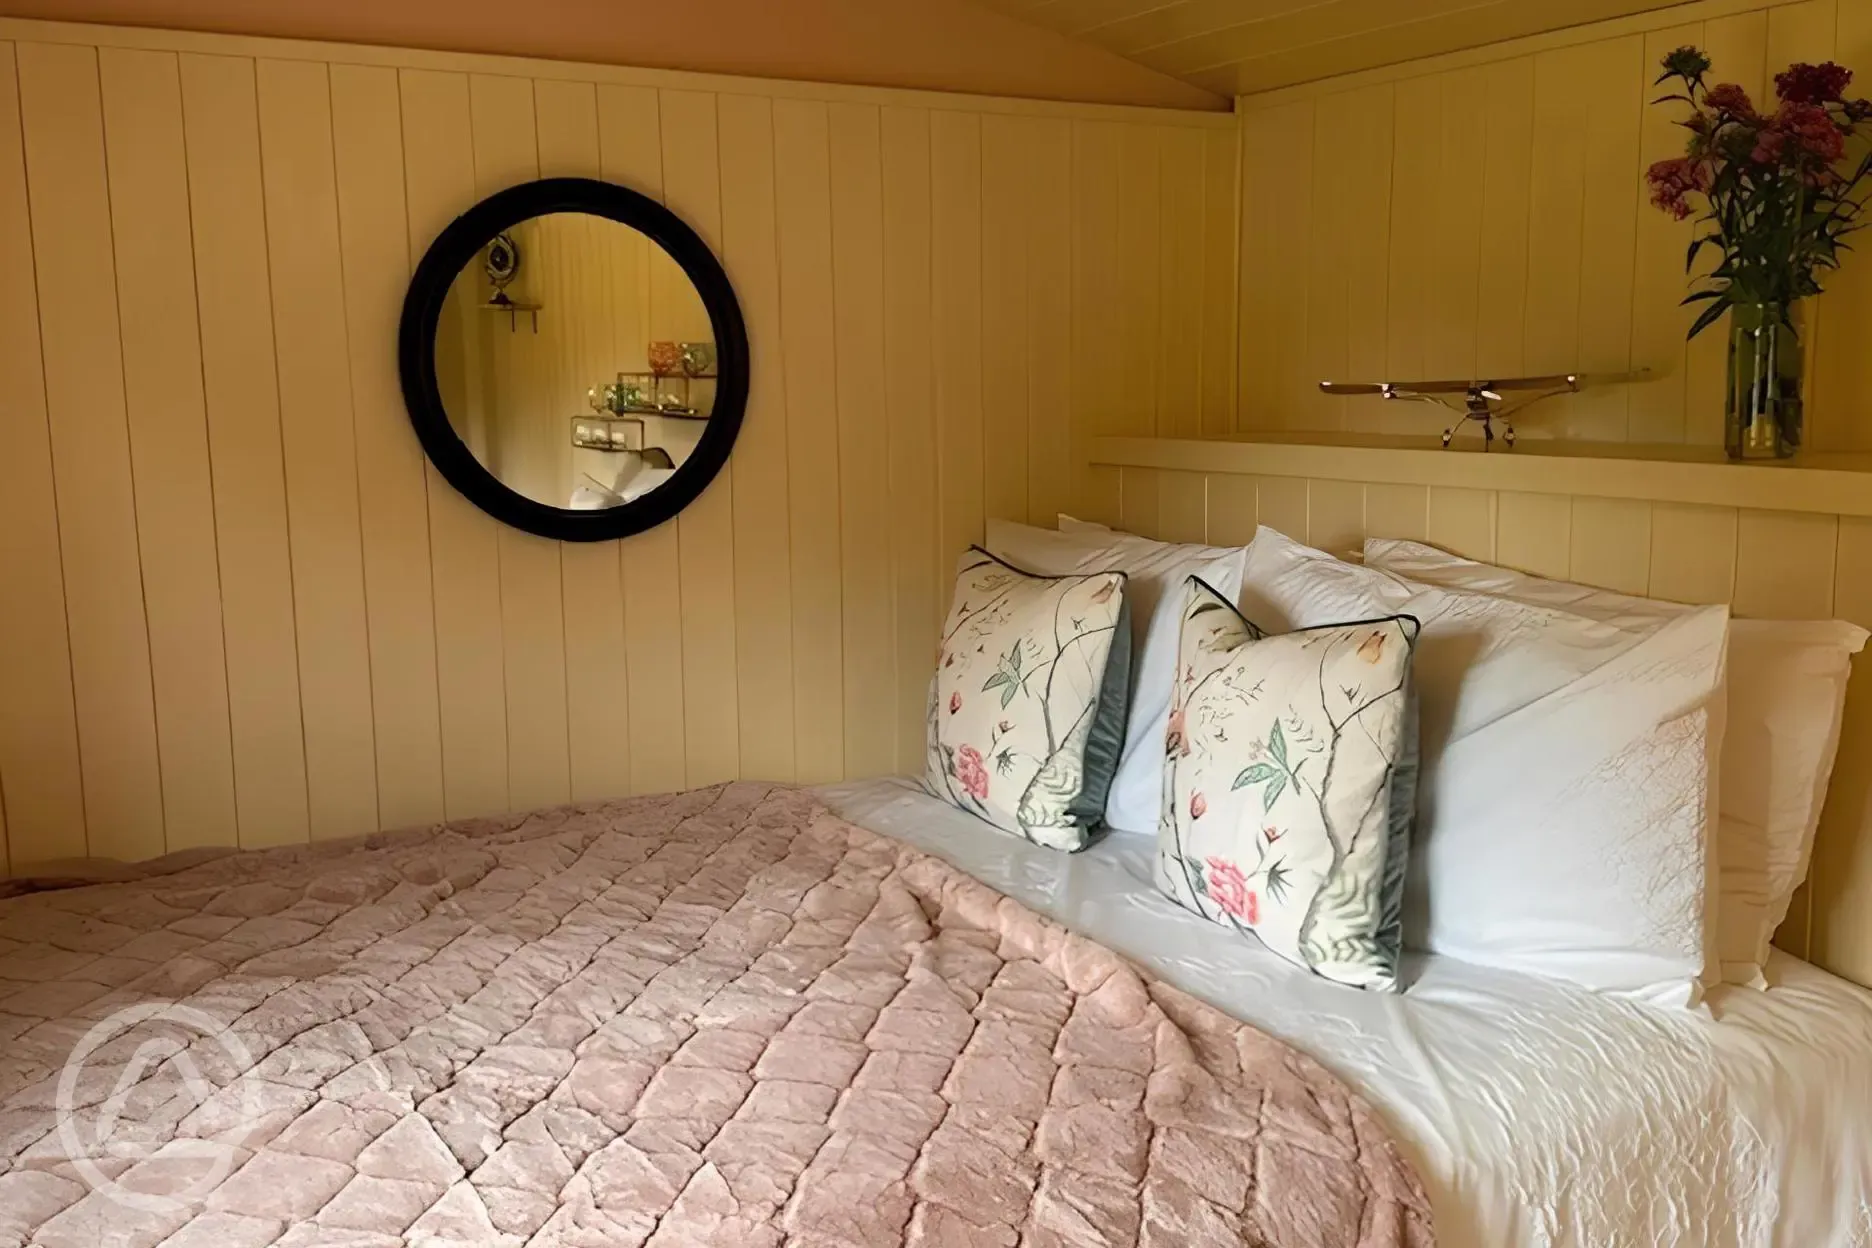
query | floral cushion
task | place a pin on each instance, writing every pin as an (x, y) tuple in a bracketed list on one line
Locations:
[(1027, 708), (1289, 782)]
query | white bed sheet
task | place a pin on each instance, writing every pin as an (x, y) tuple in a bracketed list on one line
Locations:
[(1537, 1113)]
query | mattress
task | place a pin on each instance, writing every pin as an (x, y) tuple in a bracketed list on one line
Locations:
[(1536, 1113)]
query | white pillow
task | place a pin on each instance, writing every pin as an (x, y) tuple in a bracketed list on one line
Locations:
[(1156, 573), (1786, 695), (1564, 811)]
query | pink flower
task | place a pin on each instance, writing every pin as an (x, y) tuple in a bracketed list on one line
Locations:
[(1816, 132), (1176, 743), (1229, 889), (1812, 84), (1199, 805), (955, 703), (971, 772), (1729, 98), (1671, 180)]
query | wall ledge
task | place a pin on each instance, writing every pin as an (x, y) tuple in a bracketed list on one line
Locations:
[(1826, 484)]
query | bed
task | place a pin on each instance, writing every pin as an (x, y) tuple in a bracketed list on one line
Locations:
[(1536, 1113)]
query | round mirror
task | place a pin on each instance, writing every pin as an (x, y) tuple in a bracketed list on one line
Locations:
[(573, 359)]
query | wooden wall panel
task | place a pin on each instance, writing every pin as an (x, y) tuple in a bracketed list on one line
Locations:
[(38, 714), (1516, 235), (155, 252), (81, 347), (393, 510), (242, 609), (319, 442)]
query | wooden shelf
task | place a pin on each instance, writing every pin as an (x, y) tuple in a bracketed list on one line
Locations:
[(1828, 484)]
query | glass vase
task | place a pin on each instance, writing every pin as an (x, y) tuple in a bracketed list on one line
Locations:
[(1764, 417)]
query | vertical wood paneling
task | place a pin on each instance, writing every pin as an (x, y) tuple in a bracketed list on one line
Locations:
[(1276, 236), (1096, 400), (1463, 522), (864, 440), (318, 636), (1507, 180), (1139, 501), (1557, 249), (367, 141), (1337, 122), (692, 188), (630, 139), (1534, 532), (84, 382), (1182, 507), (1232, 510), (762, 536), (312, 350), (1455, 240), (920, 565), (1005, 396), (1785, 565), (1611, 199), (597, 680), (526, 568), (1221, 262), (1281, 503), (1693, 553), (38, 720), (1842, 373), (439, 151), (956, 321), (142, 103), (1418, 129), (1367, 211), (241, 386), (1611, 544), (1336, 516), (1140, 292), (1048, 173), (802, 187), (1401, 511)]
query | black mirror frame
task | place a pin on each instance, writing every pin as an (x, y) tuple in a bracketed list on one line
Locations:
[(422, 310)]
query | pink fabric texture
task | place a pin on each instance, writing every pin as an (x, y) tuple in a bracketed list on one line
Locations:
[(724, 1017)]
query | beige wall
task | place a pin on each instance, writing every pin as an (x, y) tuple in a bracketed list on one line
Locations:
[(239, 609), (936, 45), (1484, 214)]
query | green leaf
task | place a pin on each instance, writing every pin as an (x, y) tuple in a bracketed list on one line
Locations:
[(1271, 794), (1014, 658), (996, 681), (1710, 316), (1007, 694), (1255, 775), (1277, 880), (1277, 744)]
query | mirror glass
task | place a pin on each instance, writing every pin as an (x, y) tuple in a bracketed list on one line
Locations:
[(574, 360)]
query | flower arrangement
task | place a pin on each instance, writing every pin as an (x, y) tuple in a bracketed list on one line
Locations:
[(1780, 197)]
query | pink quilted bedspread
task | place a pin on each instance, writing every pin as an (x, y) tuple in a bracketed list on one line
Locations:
[(724, 1017)]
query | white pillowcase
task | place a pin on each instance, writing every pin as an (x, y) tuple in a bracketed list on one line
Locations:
[(1564, 809), (1786, 695), (1156, 573)]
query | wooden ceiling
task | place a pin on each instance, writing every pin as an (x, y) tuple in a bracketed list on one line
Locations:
[(1238, 47)]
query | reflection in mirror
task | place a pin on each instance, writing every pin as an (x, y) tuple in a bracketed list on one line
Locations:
[(574, 359)]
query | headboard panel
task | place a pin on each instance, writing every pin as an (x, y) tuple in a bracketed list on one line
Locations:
[(1639, 527)]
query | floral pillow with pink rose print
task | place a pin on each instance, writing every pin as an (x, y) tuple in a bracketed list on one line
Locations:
[(1290, 783), (1027, 708)]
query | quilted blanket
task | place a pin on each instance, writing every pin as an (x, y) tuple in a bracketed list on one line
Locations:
[(723, 1017)]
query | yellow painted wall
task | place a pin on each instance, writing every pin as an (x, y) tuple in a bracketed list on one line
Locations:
[(236, 607), (1484, 214)]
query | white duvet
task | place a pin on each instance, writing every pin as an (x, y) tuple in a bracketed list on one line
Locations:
[(1537, 1113)]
